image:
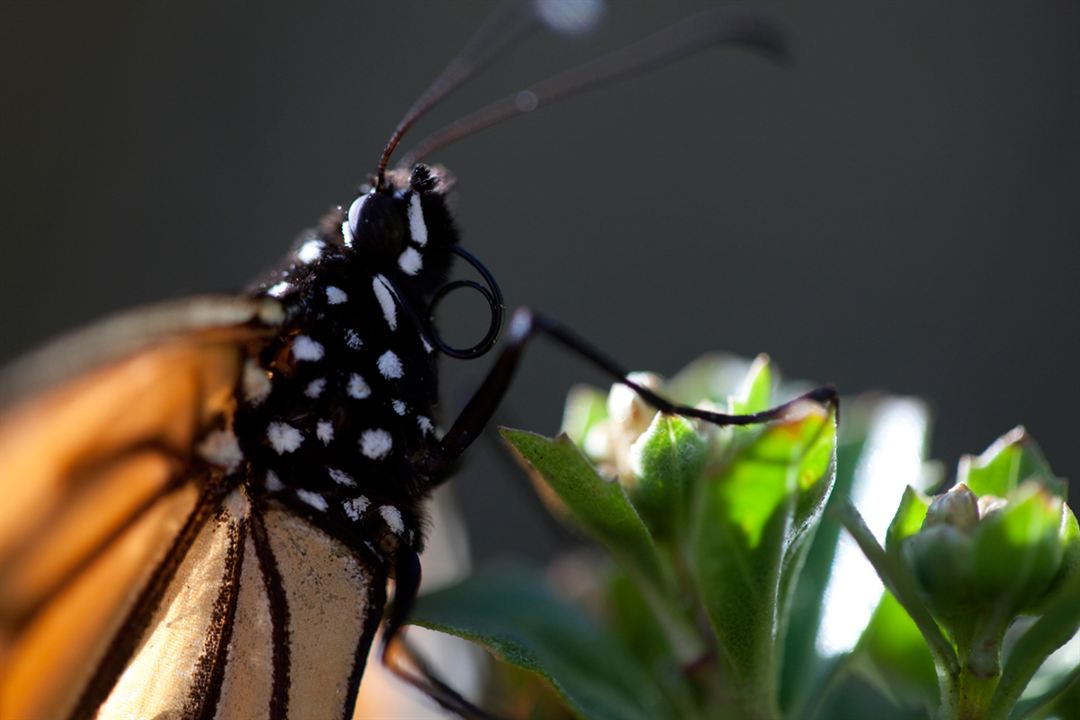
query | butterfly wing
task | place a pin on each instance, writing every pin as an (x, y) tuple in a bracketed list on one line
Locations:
[(92, 475)]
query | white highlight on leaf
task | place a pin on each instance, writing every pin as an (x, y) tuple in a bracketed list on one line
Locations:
[(324, 430), (376, 444), (304, 348), (356, 507), (310, 251), (273, 482), (278, 290), (425, 424), (399, 407), (335, 295), (386, 300), (410, 261), (390, 365), (221, 448), (341, 477), (284, 438), (313, 499), (255, 382), (315, 388), (392, 516), (353, 340), (417, 226), (358, 388)]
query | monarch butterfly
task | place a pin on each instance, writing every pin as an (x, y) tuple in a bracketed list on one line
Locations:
[(204, 499)]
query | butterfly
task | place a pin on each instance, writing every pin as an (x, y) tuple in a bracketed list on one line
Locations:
[(204, 500)]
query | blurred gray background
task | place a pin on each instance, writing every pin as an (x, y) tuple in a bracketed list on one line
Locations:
[(898, 210)]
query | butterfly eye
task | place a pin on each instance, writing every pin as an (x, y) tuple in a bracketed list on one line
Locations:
[(354, 212), (377, 225)]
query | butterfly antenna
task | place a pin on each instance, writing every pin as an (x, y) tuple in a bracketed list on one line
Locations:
[(503, 29), (690, 36)]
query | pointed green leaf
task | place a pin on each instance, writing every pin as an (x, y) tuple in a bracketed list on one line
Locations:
[(1013, 458), (908, 519), (668, 459), (585, 407), (755, 392), (511, 613), (598, 504)]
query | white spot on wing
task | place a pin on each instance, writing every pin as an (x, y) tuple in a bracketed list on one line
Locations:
[(392, 516), (353, 340), (284, 438), (376, 444), (335, 295), (417, 226), (256, 383), (325, 431), (315, 388), (340, 477), (410, 261), (237, 504), (386, 300), (356, 507), (310, 251), (358, 387), (425, 424), (399, 407), (304, 348), (221, 448), (315, 500), (390, 365), (273, 482), (278, 290)]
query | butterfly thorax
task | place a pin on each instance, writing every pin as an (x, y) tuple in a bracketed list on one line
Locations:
[(334, 412)]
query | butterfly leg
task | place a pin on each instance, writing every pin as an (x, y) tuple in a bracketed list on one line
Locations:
[(405, 661), (527, 324)]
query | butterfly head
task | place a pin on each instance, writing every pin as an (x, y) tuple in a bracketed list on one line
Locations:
[(404, 228)]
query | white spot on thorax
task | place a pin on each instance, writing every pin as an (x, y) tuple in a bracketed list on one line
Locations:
[(315, 388), (353, 340), (313, 499), (278, 290), (273, 482), (340, 477), (425, 424), (399, 407), (335, 295), (221, 448), (386, 300), (417, 227), (358, 387), (255, 382), (356, 507), (346, 234), (304, 348), (390, 365), (284, 438), (310, 251), (410, 261), (392, 516), (376, 444), (427, 346), (324, 431)]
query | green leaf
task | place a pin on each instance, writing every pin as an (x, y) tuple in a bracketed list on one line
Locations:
[(598, 504), (908, 519), (668, 459), (755, 392), (585, 407), (511, 613), (1013, 458), (714, 377), (893, 646), (745, 536)]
